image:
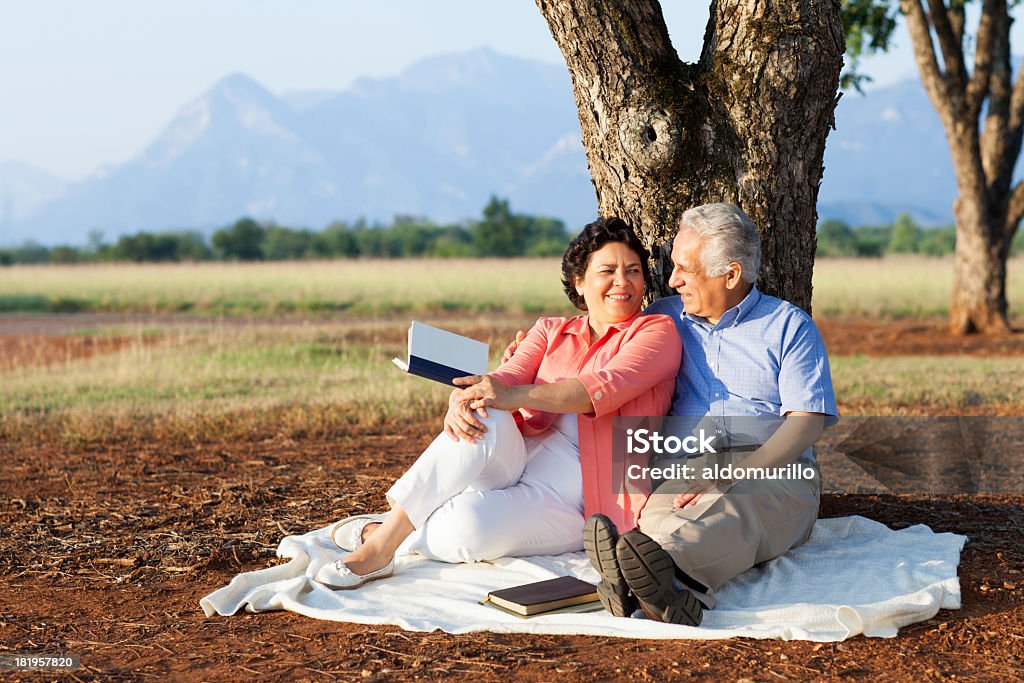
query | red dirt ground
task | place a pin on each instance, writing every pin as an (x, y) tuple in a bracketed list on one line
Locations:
[(105, 553)]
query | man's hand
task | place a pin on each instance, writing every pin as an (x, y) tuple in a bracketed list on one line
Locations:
[(691, 495), (511, 348), (460, 422)]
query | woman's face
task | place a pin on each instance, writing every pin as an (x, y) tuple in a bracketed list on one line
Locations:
[(613, 284)]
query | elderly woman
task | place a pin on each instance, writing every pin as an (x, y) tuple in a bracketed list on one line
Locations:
[(535, 455)]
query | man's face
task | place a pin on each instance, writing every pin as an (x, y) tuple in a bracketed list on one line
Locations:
[(703, 296)]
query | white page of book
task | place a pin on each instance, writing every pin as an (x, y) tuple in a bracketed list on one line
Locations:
[(447, 348)]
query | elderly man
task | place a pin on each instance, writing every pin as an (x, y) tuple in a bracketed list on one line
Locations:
[(746, 356)]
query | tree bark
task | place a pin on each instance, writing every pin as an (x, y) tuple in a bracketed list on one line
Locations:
[(746, 124), (978, 301)]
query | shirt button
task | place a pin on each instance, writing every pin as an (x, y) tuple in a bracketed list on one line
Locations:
[(717, 394), (598, 395)]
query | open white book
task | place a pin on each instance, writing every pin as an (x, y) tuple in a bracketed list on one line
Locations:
[(441, 355)]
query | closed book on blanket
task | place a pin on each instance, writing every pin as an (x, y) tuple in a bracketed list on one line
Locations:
[(544, 596), (441, 355)]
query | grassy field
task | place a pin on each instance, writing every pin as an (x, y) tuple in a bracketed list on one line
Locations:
[(327, 367), (301, 380), (351, 288), (890, 287), (896, 287)]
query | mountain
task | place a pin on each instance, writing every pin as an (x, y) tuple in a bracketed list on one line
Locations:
[(235, 150), (23, 189), (436, 140), (888, 155)]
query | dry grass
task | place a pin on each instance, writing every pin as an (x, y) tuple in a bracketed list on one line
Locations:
[(359, 287), (309, 380), (897, 286), (328, 373), (256, 381)]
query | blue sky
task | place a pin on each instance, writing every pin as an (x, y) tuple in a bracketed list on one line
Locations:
[(91, 83)]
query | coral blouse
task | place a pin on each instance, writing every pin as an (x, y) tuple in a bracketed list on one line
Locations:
[(631, 370)]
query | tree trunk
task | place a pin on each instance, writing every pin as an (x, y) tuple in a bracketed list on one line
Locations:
[(978, 300), (746, 124)]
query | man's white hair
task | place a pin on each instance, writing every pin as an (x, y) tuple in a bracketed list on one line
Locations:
[(727, 235)]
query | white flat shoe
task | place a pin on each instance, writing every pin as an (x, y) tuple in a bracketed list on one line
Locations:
[(338, 575), (348, 533)]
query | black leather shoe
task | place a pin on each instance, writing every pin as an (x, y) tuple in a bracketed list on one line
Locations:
[(650, 572), (599, 538)]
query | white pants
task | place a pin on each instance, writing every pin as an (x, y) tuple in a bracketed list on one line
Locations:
[(505, 495)]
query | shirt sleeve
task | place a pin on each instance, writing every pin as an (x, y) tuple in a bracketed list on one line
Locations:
[(647, 359), (522, 367), (805, 379)]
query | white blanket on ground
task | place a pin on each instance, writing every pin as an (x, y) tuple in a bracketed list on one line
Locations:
[(853, 576)]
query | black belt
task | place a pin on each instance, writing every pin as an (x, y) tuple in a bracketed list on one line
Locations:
[(739, 449)]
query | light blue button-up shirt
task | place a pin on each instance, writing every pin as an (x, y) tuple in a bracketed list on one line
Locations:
[(764, 358)]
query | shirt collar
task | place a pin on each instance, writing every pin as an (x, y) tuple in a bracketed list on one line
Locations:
[(581, 324), (734, 315)]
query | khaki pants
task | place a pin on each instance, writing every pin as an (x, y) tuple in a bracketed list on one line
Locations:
[(725, 534)]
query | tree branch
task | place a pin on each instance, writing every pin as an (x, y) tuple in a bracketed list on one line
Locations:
[(1015, 211), (999, 147), (952, 49), (924, 55), (985, 44), (956, 20), (634, 31), (1017, 105)]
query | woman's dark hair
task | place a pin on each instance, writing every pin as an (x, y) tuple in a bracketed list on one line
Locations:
[(594, 236)]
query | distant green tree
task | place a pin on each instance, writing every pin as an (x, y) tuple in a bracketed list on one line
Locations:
[(503, 233), (905, 235), (414, 236), (937, 241), (161, 247), (545, 236), (65, 254), (95, 245), (243, 241), (280, 243), (6, 257), (334, 241), (453, 242), (873, 240), (836, 238), (191, 246), (499, 233), (31, 252), (142, 246)]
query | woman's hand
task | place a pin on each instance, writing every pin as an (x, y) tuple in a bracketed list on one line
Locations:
[(461, 421), (483, 391)]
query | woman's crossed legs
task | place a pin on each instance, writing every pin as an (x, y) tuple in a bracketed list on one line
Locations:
[(467, 502)]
